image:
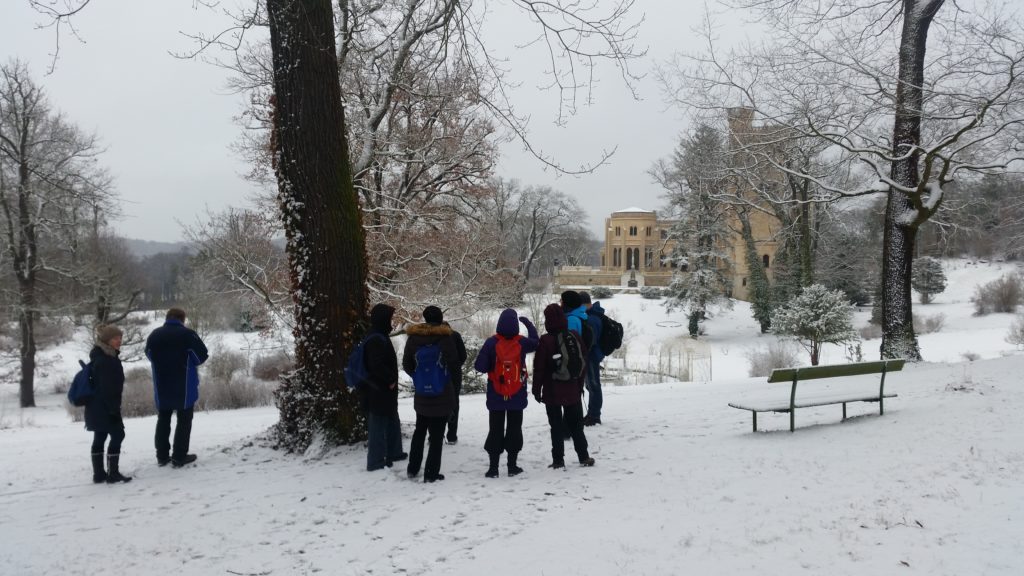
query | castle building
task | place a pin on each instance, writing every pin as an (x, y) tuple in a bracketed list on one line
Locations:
[(637, 244)]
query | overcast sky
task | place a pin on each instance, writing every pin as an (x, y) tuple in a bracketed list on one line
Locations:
[(167, 123)]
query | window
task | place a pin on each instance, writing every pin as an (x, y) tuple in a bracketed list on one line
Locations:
[(632, 230), (764, 259), (744, 281), (664, 234), (618, 230), (636, 258), (648, 257), (648, 230)]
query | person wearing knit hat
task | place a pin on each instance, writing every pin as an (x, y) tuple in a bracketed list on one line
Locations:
[(103, 412), (384, 441), (435, 392), (434, 315)]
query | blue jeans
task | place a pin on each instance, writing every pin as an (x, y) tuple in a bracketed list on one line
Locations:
[(385, 440), (593, 384)]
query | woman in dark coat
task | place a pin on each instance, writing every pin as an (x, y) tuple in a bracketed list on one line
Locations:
[(500, 438), (432, 412), (384, 445), (103, 412), (559, 396)]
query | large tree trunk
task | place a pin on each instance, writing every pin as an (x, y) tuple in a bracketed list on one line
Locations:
[(901, 224), (322, 222), (26, 324)]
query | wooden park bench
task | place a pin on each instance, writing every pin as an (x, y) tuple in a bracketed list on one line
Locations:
[(811, 396)]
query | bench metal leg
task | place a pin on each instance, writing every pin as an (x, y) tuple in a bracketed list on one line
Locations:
[(792, 419), (844, 410), (755, 420)]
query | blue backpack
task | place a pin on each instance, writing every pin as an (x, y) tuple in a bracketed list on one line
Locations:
[(357, 376), (431, 375), (82, 389)]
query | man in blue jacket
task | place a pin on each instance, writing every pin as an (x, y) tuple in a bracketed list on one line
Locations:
[(175, 352), (594, 358)]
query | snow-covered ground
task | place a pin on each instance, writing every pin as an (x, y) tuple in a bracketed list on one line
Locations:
[(681, 485)]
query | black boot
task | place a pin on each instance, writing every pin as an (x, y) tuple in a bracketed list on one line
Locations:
[(513, 470), (114, 475), (492, 470), (179, 461), (99, 475)]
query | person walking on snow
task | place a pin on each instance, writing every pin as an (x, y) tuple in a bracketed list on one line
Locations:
[(432, 411), (557, 389), (595, 355), (103, 412), (503, 358)]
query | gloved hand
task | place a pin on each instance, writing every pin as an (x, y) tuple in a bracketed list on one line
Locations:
[(524, 320)]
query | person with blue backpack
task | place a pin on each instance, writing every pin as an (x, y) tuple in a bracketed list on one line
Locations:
[(380, 391), (103, 408), (431, 356), (503, 358)]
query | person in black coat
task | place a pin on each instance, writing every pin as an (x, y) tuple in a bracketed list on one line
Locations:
[(103, 412), (384, 445), (432, 412), (175, 353)]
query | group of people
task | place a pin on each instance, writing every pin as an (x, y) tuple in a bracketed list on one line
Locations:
[(175, 352), (566, 361)]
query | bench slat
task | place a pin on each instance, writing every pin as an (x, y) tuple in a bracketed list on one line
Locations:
[(835, 370), (782, 405)]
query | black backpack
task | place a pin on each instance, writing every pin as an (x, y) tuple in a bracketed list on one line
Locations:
[(570, 362), (610, 339)]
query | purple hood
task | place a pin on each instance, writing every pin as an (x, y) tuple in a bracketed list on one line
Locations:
[(508, 323)]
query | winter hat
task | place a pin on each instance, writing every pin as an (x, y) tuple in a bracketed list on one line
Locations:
[(508, 323), (571, 300), (433, 315), (107, 332), (585, 297)]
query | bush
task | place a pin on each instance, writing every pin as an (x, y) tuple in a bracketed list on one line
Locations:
[(224, 365), (1015, 335), (271, 367), (929, 324), (239, 391), (51, 331), (650, 292), (137, 400), (998, 296), (871, 331), (775, 355), (601, 293)]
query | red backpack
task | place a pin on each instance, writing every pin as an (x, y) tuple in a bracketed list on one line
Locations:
[(508, 374)]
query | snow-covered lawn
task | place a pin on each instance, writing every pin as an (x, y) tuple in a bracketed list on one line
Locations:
[(681, 485)]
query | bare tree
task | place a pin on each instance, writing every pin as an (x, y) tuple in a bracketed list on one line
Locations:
[(46, 166), (908, 95)]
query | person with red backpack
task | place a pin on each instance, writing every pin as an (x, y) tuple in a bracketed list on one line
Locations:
[(431, 357), (559, 369), (503, 359)]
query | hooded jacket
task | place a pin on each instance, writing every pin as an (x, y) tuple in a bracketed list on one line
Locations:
[(103, 412), (595, 317), (553, 392), (508, 327), (382, 364), (576, 317), (175, 353), (421, 335)]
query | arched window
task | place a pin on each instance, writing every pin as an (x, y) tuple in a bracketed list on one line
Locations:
[(648, 230), (765, 259), (744, 281), (636, 258), (618, 230), (632, 230)]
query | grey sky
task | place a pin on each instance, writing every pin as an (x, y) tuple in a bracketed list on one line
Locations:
[(167, 123)]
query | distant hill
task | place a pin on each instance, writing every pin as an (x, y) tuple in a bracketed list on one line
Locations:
[(145, 248)]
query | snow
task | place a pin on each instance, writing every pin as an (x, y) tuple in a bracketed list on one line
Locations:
[(681, 485), (634, 209)]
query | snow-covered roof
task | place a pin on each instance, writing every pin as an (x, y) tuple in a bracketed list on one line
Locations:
[(635, 209)]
